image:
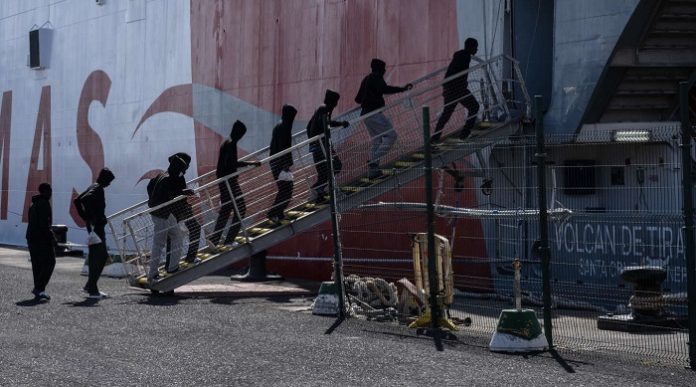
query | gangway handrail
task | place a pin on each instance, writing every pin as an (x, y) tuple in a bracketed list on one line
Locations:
[(320, 136), (226, 178)]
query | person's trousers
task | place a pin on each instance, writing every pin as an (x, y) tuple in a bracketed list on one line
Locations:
[(96, 259), (227, 208), (194, 231), (43, 261), (383, 136), (452, 99), (164, 228), (322, 169), (282, 199), (194, 234)]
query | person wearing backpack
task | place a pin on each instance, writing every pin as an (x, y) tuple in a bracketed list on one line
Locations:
[(41, 241), (185, 214), (163, 189), (91, 206)]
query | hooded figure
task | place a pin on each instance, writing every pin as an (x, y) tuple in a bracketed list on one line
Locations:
[(93, 202), (371, 97), (378, 66), (455, 91), (165, 218), (183, 156), (40, 240), (184, 211), (280, 141), (228, 163), (315, 127)]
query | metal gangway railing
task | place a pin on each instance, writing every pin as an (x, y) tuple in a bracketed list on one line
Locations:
[(496, 84)]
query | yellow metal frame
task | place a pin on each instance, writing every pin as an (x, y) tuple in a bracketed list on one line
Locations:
[(445, 278)]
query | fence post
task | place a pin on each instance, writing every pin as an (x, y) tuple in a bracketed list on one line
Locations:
[(432, 269), (543, 217), (338, 259), (688, 205)]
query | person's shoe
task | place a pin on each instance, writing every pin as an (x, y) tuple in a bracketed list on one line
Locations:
[(152, 280), (98, 296), (35, 293), (43, 296), (322, 199), (193, 261), (313, 195), (211, 245), (373, 171), (316, 196), (274, 220), (231, 244), (85, 290)]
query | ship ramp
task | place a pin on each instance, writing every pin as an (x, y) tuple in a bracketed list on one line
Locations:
[(496, 84)]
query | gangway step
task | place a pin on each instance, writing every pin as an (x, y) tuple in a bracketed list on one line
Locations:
[(297, 214), (406, 164), (259, 230)]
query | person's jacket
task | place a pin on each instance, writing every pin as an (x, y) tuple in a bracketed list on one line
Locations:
[(227, 160), (460, 62), (165, 189), (315, 126), (372, 90), (280, 141), (39, 232), (94, 202)]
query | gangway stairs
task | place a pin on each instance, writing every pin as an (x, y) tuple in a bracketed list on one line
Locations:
[(492, 82)]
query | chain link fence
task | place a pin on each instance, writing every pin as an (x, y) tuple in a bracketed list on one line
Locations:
[(618, 263)]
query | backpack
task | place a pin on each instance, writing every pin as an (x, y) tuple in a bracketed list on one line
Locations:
[(82, 207), (152, 199)]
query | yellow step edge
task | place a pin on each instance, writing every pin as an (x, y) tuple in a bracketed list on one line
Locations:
[(405, 164)]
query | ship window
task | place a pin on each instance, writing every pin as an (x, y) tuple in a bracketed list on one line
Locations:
[(617, 176), (579, 177)]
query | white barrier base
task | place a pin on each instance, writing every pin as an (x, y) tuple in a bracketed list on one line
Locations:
[(505, 342), (325, 305)]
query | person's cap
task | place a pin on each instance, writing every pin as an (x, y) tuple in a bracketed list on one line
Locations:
[(177, 162), (183, 156)]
